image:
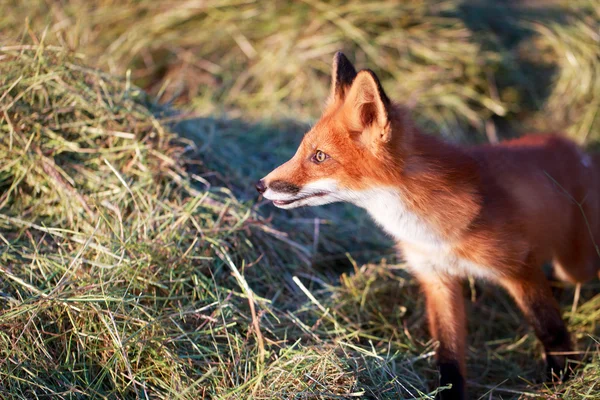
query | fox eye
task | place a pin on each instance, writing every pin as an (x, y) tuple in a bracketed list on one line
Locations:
[(319, 157)]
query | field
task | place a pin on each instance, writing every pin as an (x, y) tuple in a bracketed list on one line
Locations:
[(136, 260)]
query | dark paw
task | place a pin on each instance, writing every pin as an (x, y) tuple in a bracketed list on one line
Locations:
[(559, 368), (450, 394), (450, 376)]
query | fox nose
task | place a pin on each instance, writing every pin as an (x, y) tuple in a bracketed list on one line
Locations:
[(261, 187)]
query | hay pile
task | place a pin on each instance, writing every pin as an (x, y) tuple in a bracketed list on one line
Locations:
[(120, 275), (133, 260)]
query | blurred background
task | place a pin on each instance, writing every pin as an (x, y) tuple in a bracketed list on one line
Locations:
[(135, 259), (522, 65)]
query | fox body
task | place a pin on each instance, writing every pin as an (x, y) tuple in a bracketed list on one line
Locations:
[(496, 212)]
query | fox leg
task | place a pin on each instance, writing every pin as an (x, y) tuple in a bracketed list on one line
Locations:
[(577, 269), (447, 324), (533, 295)]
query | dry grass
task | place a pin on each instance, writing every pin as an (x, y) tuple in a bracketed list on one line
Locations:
[(133, 261), (273, 58), (458, 63), (575, 97)]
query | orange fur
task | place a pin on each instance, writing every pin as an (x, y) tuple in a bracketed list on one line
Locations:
[(497, 211)]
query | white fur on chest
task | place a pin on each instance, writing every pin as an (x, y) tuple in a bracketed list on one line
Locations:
[(388, 209), (425, 250), (442, 260)]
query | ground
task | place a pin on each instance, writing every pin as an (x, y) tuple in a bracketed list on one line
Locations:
[(136, 260)]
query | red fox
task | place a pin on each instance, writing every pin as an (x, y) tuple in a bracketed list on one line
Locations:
[(496, 212)]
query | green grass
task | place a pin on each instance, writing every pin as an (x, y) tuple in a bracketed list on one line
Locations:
[(134, 261), (458, 63)]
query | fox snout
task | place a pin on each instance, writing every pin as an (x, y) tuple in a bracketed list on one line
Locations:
[(286, 194), (284, 187), (261, 187), (282, 193), (277, 186)]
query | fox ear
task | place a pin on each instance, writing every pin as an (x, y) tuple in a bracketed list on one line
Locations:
[(342, 75), (368, 105)]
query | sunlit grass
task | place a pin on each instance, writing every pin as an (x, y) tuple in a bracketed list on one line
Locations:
[(133, 260)]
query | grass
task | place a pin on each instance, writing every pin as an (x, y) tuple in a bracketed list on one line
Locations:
[(451, 60), (122, 278), (270, 64), (578, 77), (134, 261)]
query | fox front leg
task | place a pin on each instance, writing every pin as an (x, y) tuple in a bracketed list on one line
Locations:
[(447, 324)]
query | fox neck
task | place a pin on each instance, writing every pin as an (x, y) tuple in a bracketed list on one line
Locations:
[(434, 197)]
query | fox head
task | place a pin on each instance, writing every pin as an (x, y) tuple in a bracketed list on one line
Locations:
[(355, 146)]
